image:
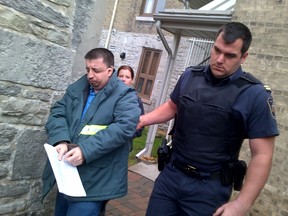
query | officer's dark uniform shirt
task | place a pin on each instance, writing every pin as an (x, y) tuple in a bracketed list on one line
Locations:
[(254, 104)]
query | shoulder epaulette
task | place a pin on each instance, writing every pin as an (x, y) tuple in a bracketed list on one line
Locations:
[(245, 79), (248, 78), (267, 88)]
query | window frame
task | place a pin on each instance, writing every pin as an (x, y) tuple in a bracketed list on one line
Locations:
[(146, 75), (159, 5)]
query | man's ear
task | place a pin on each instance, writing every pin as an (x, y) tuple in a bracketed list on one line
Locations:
[(110, 71)]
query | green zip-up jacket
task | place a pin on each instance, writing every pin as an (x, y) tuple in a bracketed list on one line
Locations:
[(104, 136)]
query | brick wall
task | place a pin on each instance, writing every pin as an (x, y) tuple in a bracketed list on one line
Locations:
[(127, 11), (267, 60)]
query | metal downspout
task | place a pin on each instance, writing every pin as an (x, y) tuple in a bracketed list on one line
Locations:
[(163, 39), (164, 89), (111, 25)]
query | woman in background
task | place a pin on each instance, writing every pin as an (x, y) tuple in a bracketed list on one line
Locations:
[(126, 74)]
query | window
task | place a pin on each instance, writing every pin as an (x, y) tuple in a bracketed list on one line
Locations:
[(148, 7), (147, 71)]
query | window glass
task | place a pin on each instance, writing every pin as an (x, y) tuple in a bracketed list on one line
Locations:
[(140, 85), (154, 64), (148, 87)]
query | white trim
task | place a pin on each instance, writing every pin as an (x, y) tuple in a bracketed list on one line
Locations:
[(145, 18), (219, 5)]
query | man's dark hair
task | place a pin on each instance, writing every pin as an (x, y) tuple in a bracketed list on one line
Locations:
[(235, 30), (107, 55)]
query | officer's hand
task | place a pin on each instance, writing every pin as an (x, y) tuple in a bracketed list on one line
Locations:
[(140, 123), (233, 208), (75, 157), (61, 149)]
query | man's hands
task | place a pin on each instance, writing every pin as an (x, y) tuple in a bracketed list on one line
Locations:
[(70, 153)]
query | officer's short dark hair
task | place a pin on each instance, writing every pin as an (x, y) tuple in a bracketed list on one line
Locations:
[(235, 30), (107, 55)]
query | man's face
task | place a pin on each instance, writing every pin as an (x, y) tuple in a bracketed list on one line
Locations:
[(226, 58), (98, 73)]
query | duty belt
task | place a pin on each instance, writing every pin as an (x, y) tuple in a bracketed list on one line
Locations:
[(194, 172)]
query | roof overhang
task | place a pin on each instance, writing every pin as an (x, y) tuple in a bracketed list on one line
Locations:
[(193, 23)]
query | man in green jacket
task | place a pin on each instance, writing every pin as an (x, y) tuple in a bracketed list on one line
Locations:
[(91, 128)]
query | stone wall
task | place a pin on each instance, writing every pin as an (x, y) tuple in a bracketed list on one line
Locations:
[(41, 41)]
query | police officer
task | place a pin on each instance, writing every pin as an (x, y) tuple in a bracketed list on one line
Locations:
[(217, 107)]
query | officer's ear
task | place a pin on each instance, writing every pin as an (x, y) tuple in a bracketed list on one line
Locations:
[(244, 56)]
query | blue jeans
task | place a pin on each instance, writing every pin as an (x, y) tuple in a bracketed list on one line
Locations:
[(175, 194), (64, 207)]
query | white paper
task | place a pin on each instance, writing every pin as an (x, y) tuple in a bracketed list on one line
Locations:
[(67, 176)]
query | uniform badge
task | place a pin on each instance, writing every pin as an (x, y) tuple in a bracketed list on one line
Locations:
[(271, 107)]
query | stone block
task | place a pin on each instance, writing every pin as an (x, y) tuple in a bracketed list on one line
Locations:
[(21, 111), (36, 63), (7, 134), (9, 208), (14, 189), (3, 171), (30, 156), (39, 10)]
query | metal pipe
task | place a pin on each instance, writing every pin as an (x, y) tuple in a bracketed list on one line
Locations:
[(163, 39), (111, 25), (140, 153)]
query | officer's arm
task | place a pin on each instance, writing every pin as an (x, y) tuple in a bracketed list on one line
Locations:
[(161, 114), (258, 169), (256, 177)]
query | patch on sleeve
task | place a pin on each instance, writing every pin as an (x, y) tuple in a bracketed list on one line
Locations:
[(271, 107)]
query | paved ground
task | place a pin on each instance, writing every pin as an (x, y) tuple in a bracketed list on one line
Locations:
[(140, 183)]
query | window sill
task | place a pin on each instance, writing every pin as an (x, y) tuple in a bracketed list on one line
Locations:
[(145, 18), (146, 101)]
